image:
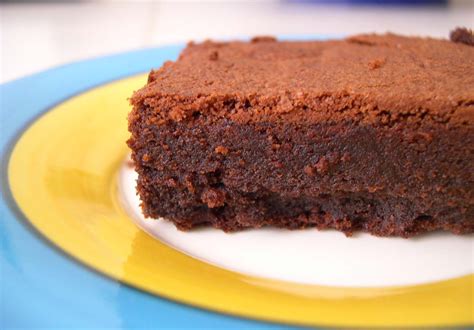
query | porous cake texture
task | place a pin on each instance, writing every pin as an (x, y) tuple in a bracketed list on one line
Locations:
[(372, 133)]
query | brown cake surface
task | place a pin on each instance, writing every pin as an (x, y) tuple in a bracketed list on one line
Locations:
[(371, 133)]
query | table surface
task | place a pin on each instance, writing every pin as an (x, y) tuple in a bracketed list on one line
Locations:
[(34, 37)]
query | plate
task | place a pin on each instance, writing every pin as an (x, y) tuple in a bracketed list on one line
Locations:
[(72, 239)]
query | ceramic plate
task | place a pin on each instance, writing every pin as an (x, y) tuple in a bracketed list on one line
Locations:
[(76, 250)]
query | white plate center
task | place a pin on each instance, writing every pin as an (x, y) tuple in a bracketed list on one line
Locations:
[(311, 256)]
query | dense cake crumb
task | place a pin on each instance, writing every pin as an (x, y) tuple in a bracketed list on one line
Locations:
[(263, 39), (214, 55), (221, 150), (376, 64), (463, 36), (371, 133)]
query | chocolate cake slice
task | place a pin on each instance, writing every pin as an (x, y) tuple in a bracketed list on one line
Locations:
[(372, 133)]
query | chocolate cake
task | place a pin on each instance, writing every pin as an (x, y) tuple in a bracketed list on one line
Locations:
[(372, 133)]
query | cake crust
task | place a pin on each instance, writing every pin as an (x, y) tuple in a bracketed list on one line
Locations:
[(370, 133)]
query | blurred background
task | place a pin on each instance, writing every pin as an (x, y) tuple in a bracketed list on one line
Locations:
[(36, 35)]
